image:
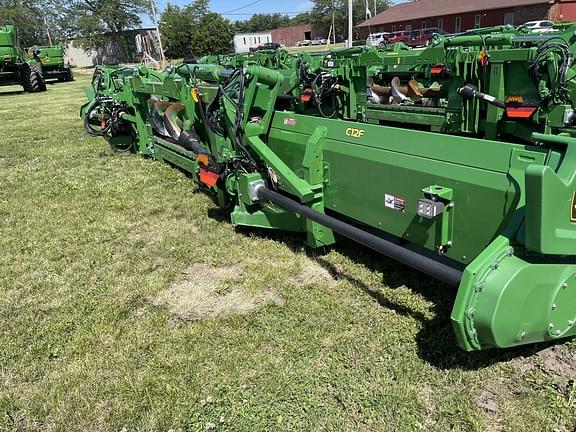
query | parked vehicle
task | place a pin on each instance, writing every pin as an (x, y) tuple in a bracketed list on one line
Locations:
[(422, 37), (304, 42), (378, 39), (52, 60), (269, 46), (15, 67), (539, 26), (401, 36), (318, 41)]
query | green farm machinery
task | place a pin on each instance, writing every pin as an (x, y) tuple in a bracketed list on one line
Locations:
[(273, 59), (458, 160), (52, 60), (15, 67)]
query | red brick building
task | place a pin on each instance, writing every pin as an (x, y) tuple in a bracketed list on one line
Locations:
[(288, 36), (454, 16)]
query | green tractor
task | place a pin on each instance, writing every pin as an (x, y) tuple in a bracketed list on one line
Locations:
[(15, 68), (52, 60)]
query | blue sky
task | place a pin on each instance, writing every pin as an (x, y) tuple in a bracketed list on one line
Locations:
[(228, 7), (236, 10)]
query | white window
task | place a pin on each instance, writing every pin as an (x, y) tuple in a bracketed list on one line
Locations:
[(440, 23), (477, 21), (458, 25), (423, 25), (509, 18), (408, 27)]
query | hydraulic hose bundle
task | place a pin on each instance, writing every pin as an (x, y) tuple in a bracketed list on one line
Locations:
[(554, 58), (322, 88)]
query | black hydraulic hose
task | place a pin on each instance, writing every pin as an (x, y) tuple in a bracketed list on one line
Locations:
[(89, 129), (189, 140), (471, 92), (411, 258)]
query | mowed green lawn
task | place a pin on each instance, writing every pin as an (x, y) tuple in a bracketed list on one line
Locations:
[(128, 302)]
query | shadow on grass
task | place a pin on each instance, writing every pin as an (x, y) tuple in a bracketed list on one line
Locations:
[(12, 92), (436, 341)]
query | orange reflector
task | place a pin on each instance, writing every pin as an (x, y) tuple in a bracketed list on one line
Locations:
[(209, 178), (306, 96), (437, 70), (520, 112), (202, 159), (515, 100)]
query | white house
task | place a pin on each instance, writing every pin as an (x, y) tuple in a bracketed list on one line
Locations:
[(244, 41)]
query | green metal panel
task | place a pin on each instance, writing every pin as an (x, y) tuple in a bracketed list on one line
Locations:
[(361, 175)]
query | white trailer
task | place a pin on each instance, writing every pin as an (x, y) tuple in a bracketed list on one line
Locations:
[(245, 41)]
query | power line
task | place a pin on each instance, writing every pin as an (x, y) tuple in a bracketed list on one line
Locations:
[(266, 13), (241, 7)]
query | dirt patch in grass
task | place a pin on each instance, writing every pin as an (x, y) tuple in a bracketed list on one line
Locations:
[(558, 360), (206, 292), (156, 232), (311, 272), (487, 402), (426, 396)]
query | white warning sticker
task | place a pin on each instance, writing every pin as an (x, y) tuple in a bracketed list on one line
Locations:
[(395, 203)]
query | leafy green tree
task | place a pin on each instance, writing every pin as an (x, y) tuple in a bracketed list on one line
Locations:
[(302, 18), (193, 30), (261, 22), (176, 28), (322, 13), (197, 10), (29, 27), (97, 20), (33, 19), (213, 36)]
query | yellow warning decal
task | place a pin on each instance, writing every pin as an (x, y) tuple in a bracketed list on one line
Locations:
[(355, 133)]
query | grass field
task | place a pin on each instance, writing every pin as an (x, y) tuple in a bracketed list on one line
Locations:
[(128, 302), (315, 48)]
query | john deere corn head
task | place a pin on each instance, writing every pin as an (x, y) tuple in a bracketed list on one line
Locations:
[(458, 160), (52, 60), (274, 59), (15, 68)]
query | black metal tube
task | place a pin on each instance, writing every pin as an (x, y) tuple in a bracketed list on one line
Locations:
[(471, 92), (413, 259)]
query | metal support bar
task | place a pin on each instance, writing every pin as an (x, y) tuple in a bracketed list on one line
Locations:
[(413, 259)]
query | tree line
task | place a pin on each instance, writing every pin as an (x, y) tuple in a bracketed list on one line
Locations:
[(186, 30)]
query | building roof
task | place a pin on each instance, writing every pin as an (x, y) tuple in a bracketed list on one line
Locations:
[(262, 33), (431, 8)]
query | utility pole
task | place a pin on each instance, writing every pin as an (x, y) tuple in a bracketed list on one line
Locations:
[(48, 31), (375, 8), (162, 58), (350, 29), (333, 27)]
